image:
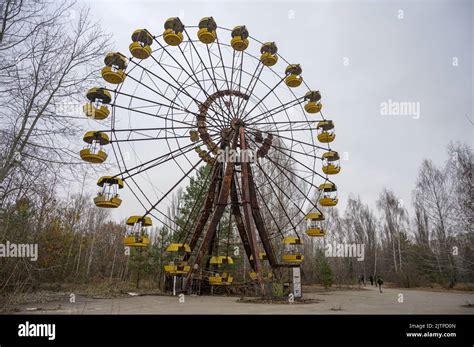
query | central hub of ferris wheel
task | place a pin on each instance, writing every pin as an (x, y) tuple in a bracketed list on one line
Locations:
[(198, 93), (237, 123)]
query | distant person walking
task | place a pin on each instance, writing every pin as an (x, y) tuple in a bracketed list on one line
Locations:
[(379, 283), (371, 279), (361, 280)]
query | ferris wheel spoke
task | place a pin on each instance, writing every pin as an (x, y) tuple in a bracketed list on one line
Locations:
[(153, 207), (164, 160), (285, 207), (287, 122), (151, 138), (263, 98), (181, 66), (270, 113), (286, 128), (257, 77), (222, 61), (165, 157), (240, 82), (292, 172), (181, 89), (178, 89), (197, 204), (150, 101), (299, 217), (212, 67), (187, 159), (154, 115), (173, 229), (307, 167), (283, 107), (203, 89), (205, 67), (139, 189), (215, 117), (276, 195), (232, 81), (263, 199), (151, 214), (298, 152), (287, 138), (173, 102), (168, 87), (148, 129)]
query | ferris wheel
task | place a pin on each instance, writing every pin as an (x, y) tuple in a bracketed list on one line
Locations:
[(218, 102)]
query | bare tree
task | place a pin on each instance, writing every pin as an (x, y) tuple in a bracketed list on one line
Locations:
[(434, 196), (460, 172), (53, 61), (395, 224)]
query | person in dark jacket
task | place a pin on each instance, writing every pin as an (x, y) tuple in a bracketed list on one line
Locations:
[(371, 279), (379, 283)]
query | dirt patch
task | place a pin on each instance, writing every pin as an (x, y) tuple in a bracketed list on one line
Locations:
[(10, 302), (278, 301)]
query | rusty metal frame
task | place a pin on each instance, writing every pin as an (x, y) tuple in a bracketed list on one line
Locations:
[(219, 209), (248, 214)]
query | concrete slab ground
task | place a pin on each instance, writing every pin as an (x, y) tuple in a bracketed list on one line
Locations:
[(365, 301)]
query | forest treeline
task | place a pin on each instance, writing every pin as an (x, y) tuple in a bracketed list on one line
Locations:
[(80, 244)]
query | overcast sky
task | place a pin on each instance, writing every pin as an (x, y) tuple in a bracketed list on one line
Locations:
[(360, 55)]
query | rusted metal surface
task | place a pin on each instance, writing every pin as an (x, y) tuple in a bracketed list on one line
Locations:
[(204, 109), (248, 221), (207, 208), (259, 223), (216, 216), (239, 222)]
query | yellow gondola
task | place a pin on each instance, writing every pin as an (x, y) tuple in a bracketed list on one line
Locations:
[(314, 225), (177, 266), (140, 48), (292, 252), (269, 56), (94, 153), (329, 194), (207, 30), (313, 105), (221, 259), (261, 256), (114, 70), (293, 75), (137, 235), (240, 36), (173, 34), (221, 279), (96, 107), (221, 264), (179, 247), (266, 276), (108, 197), (331, 164), (326, 131)]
